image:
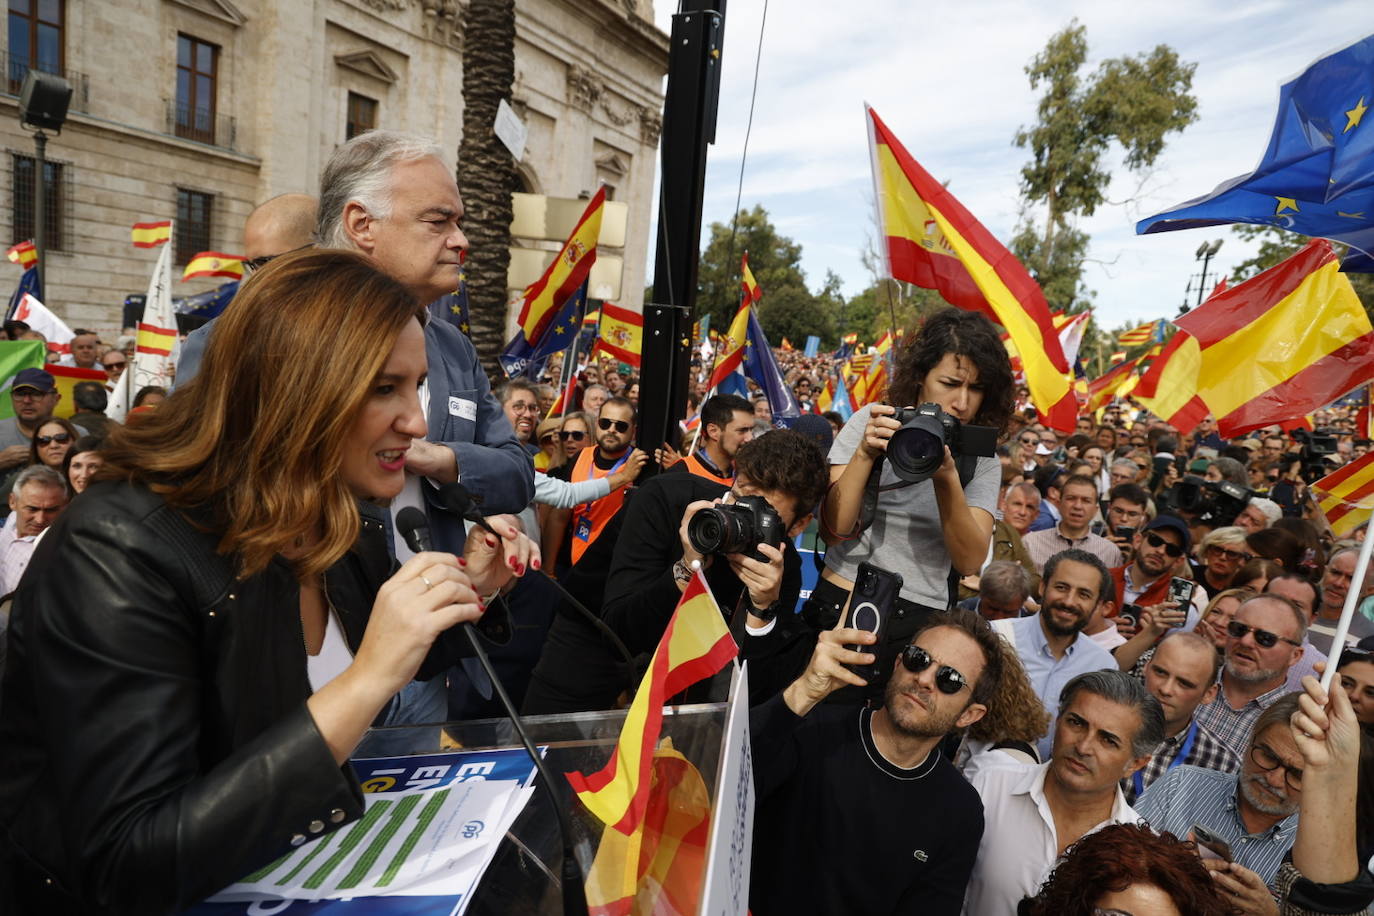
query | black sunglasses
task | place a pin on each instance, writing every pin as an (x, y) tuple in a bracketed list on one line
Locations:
[(59, 438), (261, 261), (575, 435), (916, 660), (620, 425), (1156, 541), (1237, 630)]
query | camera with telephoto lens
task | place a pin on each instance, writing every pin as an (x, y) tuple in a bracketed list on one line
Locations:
[(1212, 502), (917, 450), (1316, 446), (738, 527)]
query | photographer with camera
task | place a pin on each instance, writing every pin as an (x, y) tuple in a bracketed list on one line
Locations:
[(913, 489)]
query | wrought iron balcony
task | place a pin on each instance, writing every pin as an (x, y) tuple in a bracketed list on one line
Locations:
[(17, 68)]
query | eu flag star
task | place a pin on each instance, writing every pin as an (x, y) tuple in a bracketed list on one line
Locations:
[(1353, 116), (1285, 203), (559, 329), (455, 310)]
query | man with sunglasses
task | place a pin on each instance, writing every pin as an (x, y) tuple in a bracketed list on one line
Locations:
[(1144, 582), (1254, 811), (579, 527), (1263, 640), (34, 395), (858, 810)]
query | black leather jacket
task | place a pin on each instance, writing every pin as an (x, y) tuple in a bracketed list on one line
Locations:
[(155, 744)]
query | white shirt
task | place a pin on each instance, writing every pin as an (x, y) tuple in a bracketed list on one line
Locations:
[(1019, 846), (14, 558)]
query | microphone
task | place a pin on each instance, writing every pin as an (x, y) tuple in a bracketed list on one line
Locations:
[(456, 499), (414, 529), (496, 624)]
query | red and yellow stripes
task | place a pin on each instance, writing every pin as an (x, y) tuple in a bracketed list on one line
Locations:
[(749, 287), (932, 241), (151, 235), (214, 264), (23, 253), (544, 297), (1169, 386), (621, 334), (730, 353), (1346, 495), (695, 646), (155, 340)]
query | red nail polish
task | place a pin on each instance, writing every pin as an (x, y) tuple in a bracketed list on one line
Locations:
[(520, 569), (514, 564), (491, 542), (462, 562), (535, 564), (481, 608)]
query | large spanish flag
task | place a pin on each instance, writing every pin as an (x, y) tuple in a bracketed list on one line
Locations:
[(214, 264), (151, 235), (65, 378), (1282, 344), (932, 241), (621, 334), (544, 297), (1169, 387), (695, 646), (1346, 495)]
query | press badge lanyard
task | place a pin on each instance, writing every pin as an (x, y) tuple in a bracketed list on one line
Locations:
[(582, 530), (1183, 750)]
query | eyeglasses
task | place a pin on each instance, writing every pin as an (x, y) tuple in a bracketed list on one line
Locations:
[(263, 260), (118, 365), (1155, 541), (1030, 440), (575, 435), (1227, 553), (1266, 640), (31, 394), (518, 407), (59, 438), (916, 660), (620, 425), (1262, 756)]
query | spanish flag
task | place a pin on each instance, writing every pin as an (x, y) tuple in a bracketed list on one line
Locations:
[(214, 264), (730, 351), (65, 378), (749, 287), (695, 646), (933, 242), (1101, 390), (1346, 495), (1278, 346), (621, 334), (1169, 387), (23, 253), (155, 340), (544, 297), (151, 235)]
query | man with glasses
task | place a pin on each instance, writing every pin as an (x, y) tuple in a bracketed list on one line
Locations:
[(1263, 641), (520, 402), (113, 362), (581, 526), (1145, 581), (1127, 505), (34, 395), (858, 811), (1255, 811)]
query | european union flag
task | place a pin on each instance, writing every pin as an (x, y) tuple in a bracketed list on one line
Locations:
[(520, 356), (207, 304), (760, 366), (1317, 176), (453, 307)]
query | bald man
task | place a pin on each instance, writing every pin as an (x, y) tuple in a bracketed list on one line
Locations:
[(278, 226)]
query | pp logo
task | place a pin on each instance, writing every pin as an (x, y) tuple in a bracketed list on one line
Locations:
[(473, 829)]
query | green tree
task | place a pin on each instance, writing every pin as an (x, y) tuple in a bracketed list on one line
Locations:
[(1276, 244), (1133, 102)]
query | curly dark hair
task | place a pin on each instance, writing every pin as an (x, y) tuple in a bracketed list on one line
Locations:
[(785, 460), (967, 334), (1118, 856)]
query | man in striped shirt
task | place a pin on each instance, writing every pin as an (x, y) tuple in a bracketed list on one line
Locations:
[(1255, 812), (1182, 675)]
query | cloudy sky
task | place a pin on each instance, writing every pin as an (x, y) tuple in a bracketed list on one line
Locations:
[(948, 79)]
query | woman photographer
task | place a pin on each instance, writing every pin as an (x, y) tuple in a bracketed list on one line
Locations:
[(204, 636), (922, 530)]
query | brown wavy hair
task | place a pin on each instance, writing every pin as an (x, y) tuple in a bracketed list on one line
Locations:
[(1118, 856), (969, 335), (255, 440), (1015, 712)]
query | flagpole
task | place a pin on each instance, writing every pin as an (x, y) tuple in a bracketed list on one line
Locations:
[(1352, 598), (570, 356)]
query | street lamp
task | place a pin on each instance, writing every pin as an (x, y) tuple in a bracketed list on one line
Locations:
[(1205, 252), (42, 104)]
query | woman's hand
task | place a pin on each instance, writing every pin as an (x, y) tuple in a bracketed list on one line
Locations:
[(425, 597), (881, 425), (493, 560)]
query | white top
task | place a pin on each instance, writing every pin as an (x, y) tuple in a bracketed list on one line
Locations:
[(1019, 846), (333, 658), (1108, 639)]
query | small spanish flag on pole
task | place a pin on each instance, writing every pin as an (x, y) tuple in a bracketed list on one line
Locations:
[(151, 235), (214, 264), (695, 646), (23, 253)]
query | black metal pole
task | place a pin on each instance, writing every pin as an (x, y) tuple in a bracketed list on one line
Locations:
[(1202, 284), (689, 125), (40, 199)]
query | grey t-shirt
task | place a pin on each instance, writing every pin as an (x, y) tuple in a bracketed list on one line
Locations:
[(11, 434), (906, 536)]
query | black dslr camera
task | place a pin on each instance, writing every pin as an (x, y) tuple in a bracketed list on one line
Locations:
[(738, 527), (917, 450), (1216, 503)]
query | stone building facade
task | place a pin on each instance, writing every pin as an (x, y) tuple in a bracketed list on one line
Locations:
[(198, 110)]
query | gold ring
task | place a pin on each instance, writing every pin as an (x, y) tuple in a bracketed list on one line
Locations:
[(428, 584)]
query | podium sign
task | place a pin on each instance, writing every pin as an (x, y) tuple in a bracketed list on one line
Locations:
[(730, 849)]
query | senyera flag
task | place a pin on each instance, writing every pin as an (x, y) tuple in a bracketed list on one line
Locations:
[(1346, 495), (151, 235), (695, 646), (933, 242), (214, 264)]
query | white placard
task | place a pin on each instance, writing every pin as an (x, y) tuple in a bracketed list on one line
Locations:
[(510, 130), (729, 850)]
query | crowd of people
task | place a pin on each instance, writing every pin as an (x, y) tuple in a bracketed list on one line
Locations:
[(1092, 691)]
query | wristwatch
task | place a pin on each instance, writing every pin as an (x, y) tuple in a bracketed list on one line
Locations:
[(767, 613), (682, 573)]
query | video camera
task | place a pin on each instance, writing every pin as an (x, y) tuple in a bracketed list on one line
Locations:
[(1316, 446), (738, 527), (917, 450), (1214, 503)]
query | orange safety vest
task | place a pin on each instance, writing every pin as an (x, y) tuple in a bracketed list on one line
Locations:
[(695, 466), (589, 519)]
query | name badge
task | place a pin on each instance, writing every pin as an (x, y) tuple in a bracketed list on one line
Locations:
[(462, 408)]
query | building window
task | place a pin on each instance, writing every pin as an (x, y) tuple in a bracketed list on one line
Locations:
[(193, 223), (362, 115), (197, 67), (23, 228), (35, 38)]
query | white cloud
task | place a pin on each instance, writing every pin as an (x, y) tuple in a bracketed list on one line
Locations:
[(949, 80)]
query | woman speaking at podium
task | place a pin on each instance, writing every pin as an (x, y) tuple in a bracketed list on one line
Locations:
[(206, 633)]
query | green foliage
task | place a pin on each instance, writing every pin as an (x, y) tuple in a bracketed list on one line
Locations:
[(1132, 102), (1277, 244)]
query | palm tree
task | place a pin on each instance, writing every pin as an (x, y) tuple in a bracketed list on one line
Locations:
[(486, 171)]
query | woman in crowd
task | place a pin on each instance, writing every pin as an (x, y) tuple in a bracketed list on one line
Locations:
[(201, 640), (550, 449), (149, 396), (1255, 574), (49, 446), (575, 434), (923, 530), (1283, 547), (1355, 670), (82, 462), (1312, 562), (1219, 612), (1219, 557), (1128, 868), (1096, 459)]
